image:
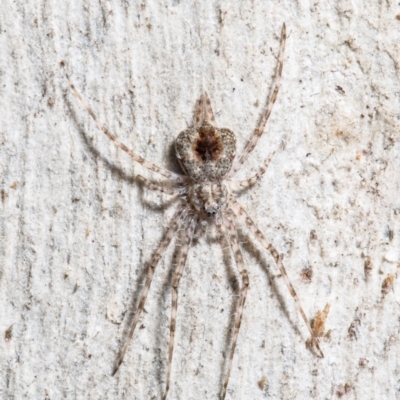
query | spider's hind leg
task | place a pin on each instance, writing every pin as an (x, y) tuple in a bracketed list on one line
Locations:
[(229, 225), (186, 239), (242, 214), (176, 223)]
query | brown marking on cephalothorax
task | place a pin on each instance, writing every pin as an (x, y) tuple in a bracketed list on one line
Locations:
[(208, 146), (206, 153)]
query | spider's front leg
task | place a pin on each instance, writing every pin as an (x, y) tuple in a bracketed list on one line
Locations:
[(147, 164), (264, 118)]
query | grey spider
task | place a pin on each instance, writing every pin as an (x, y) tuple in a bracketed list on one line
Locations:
[(207, 156)]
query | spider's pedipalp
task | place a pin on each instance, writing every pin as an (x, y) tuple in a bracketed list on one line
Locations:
[(242, 214), (229, 225), (177, 220), (264, 118), (186, 237), (203, 112), (147, 164)]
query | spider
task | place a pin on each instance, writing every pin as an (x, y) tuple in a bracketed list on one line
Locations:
[(206, 154)]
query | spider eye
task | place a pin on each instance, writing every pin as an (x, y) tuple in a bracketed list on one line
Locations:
[(209, 212)]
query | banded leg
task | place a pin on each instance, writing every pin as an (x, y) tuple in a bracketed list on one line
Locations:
[(176, 222), (242, 214), (186, 238), (203, 112), (229, 225), (240, 185), (147, 164), (260, 129), (160, 186)]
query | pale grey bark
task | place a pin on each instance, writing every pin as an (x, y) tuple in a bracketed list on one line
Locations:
[(77, 230)]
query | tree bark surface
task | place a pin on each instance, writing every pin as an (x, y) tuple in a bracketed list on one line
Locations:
[(77, 229)]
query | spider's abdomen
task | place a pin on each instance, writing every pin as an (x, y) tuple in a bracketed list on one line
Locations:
[(208, 198), (206, 153)]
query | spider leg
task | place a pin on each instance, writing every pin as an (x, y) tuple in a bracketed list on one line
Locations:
[(229, 225), (176, 223), (242, 214), (147, 164), (203, 112), (160, 186), (240, 185), (264, 118), (186, 237)]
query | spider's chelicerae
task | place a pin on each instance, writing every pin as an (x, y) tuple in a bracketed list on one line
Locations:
[(207, 156)]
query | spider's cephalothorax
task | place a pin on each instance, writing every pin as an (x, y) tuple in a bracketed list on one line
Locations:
[(206, 154), (204, 151)]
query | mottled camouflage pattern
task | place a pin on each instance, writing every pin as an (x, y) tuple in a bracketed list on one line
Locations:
[(206, 153)]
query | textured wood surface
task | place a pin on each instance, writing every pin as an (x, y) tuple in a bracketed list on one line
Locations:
[(77, 229)]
